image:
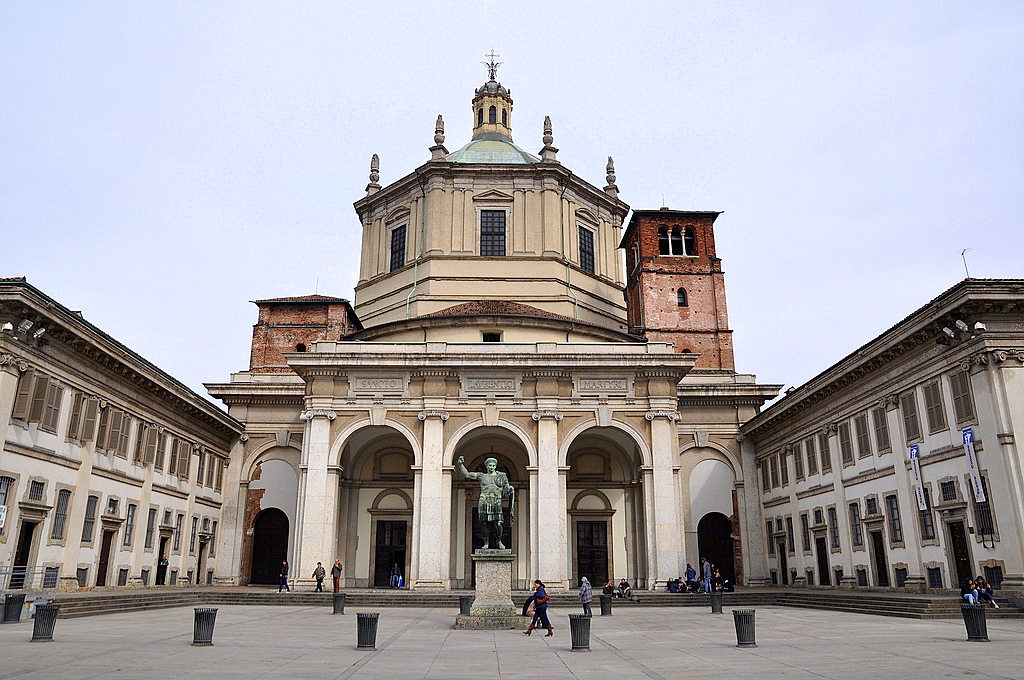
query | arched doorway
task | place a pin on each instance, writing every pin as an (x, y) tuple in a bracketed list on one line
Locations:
[(269, 546), (714, 541)]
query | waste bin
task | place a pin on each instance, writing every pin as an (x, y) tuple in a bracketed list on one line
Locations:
[(606, 605), (13, 604), (339, 603), (579, 629), (45, 620), (202, 635), (716, 603), (974, 619), (744, 620), (465, 604), (366, 630)]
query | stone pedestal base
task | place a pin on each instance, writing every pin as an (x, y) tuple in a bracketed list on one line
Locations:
[(135, 583), (492, 607), (67, 584)]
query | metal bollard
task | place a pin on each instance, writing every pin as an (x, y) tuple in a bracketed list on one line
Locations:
[(465, 604), (339, 603), (974, 619), (579, 629), (716, 603), (366, 630), (13, 604), (202, 635), (744, 620), (606, 605), (45, 620)]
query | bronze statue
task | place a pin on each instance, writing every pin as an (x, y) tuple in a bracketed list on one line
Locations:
[(493, 487)]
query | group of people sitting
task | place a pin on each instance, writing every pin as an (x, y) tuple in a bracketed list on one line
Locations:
[(977, 591), (622, 590), (712, 581)]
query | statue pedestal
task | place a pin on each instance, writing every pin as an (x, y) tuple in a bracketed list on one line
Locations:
[(492, 608)]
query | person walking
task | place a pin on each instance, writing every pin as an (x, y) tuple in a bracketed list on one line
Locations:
[(540, 608), (396, 576), (586, 595), (283, 577), (336, 575), (319, 574), (706, 573)]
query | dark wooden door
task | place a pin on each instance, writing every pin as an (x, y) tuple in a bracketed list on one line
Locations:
[(104, 563), (714, 541), (161, 569), (881, 564), (783, 563), (389, 551), (824, 575), (269, 546), (592, 551), (22, 554), (961, 554)]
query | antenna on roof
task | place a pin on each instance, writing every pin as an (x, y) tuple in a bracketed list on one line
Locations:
[(316, 286), (962, 255)]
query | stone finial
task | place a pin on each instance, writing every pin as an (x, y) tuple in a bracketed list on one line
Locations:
[(439, 130), (611, 189), (373, 187), (438, 152), (548, 153)]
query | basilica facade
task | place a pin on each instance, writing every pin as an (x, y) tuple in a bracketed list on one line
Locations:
[(504, 309)]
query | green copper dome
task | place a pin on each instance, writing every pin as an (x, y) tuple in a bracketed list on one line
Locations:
[(492, 151)]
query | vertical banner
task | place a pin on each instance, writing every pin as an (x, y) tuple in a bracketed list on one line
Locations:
[(915, 467), (972, 466)]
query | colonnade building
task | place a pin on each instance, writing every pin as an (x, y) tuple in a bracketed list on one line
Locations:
[(496, 316)]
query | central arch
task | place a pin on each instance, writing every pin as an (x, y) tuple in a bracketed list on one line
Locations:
[(714, 541), (269, 546)]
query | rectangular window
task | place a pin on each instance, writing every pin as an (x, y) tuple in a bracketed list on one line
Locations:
[(122, 577), (895, 528), (766, 482), (112, 507), (833, 527), (38, 406), (948, 491), (213, 463), (23, 396), (963, 404), (36, 489), (845, 444), (150, 525), (50, 575), (790, 541), (860, 426), (818, 517), (82, 574), (768, 537), (826, 455), (140, 443), (784, 468), (798, 461), (213, 538), (911, 425), (492, 233), (101, 434), (934, 577), (805, 530), (994, 575), (927, 521), (983, 513), (202, 458), (75, 420), (161, 451), (397, 248), (54, 395), (89, 524), (881, 430), (177, 532), (773, 463), (129, 525), (184, 458), (862, 577), (60, 514), (218, 484), (586, 249), (872, 505), (122, 441), (855, 527), (5, 488), (933, 407), (152, 438), (901, 577), (195, 531), (812, 456), (92, 407)]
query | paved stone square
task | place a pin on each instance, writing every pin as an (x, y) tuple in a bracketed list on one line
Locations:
[(282, 642)]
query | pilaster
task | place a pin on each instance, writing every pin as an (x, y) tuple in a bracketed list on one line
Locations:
[(665, 551), (433, 509), (551, 520), (315, 525)]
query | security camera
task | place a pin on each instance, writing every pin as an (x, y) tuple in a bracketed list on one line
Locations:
[(962, 326)]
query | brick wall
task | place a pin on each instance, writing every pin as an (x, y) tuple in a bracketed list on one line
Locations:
[(285, 324)]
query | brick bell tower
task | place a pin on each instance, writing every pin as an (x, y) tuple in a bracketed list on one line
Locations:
[(675, 287)]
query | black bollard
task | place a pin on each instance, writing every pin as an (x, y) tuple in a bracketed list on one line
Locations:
[(202, 632), (606, 605), (339, 603), (744, 620), (465, 604), (716, 603), (579, 629), (366, 630), (45, 620), (13, 604), (974, 619)]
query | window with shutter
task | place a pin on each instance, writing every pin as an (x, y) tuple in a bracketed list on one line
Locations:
[(122, 442), (963, 404), (39, 390), (101, 435), (826, 455), (92, 407), (212, 465), (845, 444), (860, 424), (60, 514), (140, 434), (184, 458), (812, 456), (75, 419), (798, 461), (934, 408), (218, 485), (881, 430), (161, 451), (201, 460), (911, 425), (51, 412), (23, 397), (172, 463), (152, 437)]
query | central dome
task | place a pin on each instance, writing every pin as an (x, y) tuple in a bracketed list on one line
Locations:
[(492, 148)]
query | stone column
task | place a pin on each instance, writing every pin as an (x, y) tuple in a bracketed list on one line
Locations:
[(11, 368), (550, 522), (433, 507), (534, 529), (665, 551), (755, 560), (228, 561), (316, 527)]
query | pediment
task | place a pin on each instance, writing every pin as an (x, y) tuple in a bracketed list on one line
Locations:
[(493, 195), (400, 213)]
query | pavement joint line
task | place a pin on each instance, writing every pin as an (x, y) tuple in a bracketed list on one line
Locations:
[(628, 658), (371, 654)]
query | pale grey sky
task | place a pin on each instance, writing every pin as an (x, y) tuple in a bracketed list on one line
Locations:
[(164, 164)]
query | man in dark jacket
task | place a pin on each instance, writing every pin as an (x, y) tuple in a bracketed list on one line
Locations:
[(319, 574), (336, 575), (283, 582)]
